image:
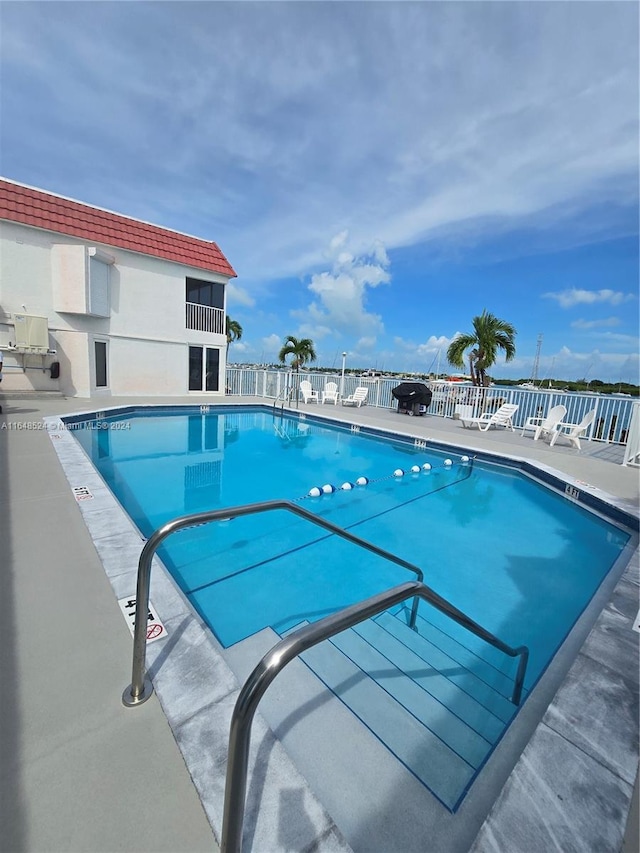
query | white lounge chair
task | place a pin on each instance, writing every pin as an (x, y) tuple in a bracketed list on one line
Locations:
[(501, 417), (358, 398), (545, 426), (572, 432), (330, 393), (308, 394)]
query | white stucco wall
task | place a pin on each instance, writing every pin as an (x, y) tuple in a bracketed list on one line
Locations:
[(148, 367), (146, 333)]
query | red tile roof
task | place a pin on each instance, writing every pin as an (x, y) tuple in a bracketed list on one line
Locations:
[(40, 209)]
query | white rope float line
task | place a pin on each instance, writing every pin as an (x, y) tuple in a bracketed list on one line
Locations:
[(329, 488)]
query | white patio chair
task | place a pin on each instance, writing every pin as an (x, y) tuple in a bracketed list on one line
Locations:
[(358, 398), (546, 425), (330, 393), (572, 432), (502, 417), (308, 394)]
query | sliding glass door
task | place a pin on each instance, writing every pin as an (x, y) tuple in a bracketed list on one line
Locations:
[(204, 369)]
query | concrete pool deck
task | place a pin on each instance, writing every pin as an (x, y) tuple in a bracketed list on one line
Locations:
[(79, 772)]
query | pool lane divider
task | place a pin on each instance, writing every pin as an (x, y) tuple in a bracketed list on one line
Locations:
[(426, 467), (468, 466)]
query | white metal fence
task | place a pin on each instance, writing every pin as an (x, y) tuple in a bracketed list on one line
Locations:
[(611, 424), (632, 451)]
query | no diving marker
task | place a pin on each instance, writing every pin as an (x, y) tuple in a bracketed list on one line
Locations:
[(82, 493), (155, 628)]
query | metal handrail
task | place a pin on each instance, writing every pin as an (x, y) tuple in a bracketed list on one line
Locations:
[(289, 648), (285, 393), (141, 688)]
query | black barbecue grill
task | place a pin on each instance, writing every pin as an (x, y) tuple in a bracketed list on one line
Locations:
[(413, 397)]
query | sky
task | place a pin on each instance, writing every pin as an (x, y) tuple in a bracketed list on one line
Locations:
[(377, 173)]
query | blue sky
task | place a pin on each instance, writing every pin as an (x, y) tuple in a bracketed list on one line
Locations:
[(377, 172)]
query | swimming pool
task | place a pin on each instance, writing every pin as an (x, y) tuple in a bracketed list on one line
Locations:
[(526, 579), (515, 555)]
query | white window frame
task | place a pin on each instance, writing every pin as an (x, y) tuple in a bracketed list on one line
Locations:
[(99, 339), (204, 348)]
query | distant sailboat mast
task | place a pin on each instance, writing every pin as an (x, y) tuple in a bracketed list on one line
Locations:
[(536, 361), (549, 376), (436, 360)]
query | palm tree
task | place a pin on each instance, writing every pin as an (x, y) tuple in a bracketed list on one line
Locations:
[(234, 330), (489, 335), (301, 351)]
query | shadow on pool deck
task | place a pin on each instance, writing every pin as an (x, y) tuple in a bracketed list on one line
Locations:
[(79, 772)]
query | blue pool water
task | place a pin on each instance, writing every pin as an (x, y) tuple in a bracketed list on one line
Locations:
[(515, 556), (518, 558)]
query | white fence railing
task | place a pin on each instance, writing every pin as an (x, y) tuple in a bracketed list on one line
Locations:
[(203, 318), (632, 450), (612, 422)]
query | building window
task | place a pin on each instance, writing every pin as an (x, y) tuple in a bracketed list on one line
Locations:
[(209, 293), (100, 350), (204, 369), (205, 306)]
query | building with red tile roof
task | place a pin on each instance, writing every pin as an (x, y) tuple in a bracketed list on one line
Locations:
[(95, 303), (40, 209)]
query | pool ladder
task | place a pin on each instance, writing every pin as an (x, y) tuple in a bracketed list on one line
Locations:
[(283, 397), (287, 649)]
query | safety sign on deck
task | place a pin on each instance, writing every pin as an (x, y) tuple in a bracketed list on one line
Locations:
[(82, 493), (155, 628)]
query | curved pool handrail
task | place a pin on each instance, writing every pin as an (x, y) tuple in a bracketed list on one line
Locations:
[(289, 648), (141, 688), (285, 394)]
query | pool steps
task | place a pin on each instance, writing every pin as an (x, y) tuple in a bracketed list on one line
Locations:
[(436, 716), (494, 671), (441, 721), (371, 796)]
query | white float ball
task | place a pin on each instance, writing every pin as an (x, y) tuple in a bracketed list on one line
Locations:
[(415, 469), (464, 458), (315, 492), (398, 472), (328, 488), (361, 481), (448, 462), (426, 467), (346, 487)]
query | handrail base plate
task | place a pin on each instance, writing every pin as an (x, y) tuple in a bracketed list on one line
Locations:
[(132, 702)]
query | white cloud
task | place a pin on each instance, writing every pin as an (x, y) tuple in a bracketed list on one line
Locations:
[(272, 343), (252, 145), (340, 293), (316, 332), (239, 296), (595, 324), (366, 343), (432, 346), (435, 345), (574, 296), (571, 364)]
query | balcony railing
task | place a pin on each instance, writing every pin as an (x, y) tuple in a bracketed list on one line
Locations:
[(203, 318)]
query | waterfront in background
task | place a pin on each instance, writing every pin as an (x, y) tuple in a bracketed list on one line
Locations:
[(612, 412)]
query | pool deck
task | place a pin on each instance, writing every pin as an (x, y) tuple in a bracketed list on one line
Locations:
[(82, 773)]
